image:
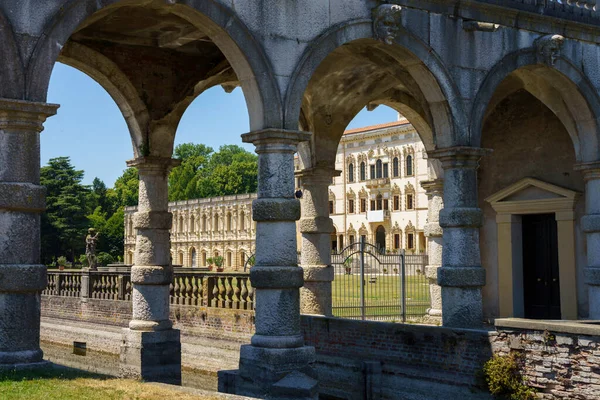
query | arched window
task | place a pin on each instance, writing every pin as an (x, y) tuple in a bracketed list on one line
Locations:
[(395, 167), (363, 171), (216, 227), (131, 232), (351, 172), (229, 258), (229, 221), (192, 224), (204, 223), (204, 259), (193, 261), (242, 223), (180, 224), (379, 168), (181, 258), (409, 165)]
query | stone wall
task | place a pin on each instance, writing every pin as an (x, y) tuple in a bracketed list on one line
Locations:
[(205, 321), (561, 360), (383, 358)]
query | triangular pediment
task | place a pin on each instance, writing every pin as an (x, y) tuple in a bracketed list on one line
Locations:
[(530, 189)]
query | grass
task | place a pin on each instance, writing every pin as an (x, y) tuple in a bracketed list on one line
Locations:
[(382, 298), (68, 384)]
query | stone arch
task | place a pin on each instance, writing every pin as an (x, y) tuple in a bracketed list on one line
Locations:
[(431, 75), (218, 21), (561, 87), (12, 78)]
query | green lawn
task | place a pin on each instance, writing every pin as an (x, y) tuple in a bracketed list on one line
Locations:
[(59, 384), (382, 297)]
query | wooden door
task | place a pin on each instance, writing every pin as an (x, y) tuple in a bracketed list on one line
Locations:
[(540, 267)]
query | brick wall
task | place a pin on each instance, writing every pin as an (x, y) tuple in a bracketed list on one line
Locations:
[(559, 365)]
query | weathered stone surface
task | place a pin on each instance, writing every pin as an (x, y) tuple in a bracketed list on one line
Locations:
[(265, 210), (461, 277), (276, 277), (153, 220), (22, 197)]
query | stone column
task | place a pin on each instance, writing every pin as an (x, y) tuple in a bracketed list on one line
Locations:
[(461, 275), (276, 364), (22, 200), (151, 349), (434, 190), (591, 226), (316, 228)]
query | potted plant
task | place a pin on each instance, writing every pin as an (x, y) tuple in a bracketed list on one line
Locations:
[(218, 260), (210, 262), (61, 261), (395, 270)]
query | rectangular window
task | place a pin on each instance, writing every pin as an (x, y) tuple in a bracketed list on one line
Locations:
[(411, 241), (396, 241), (373, 205), (409, 202), (385, 170), (363, 238), (372, 172), (396, 203), (351, 239), (386, 204), (331, 207), (363, 205), (351, 206)]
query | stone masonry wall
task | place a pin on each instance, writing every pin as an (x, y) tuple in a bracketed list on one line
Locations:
[(559, 365), (206, 321)]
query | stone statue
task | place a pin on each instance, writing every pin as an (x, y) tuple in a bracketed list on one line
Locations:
[(90, 248), (386, 22), (548, 48)]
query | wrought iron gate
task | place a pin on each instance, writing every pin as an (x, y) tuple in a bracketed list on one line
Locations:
[(372, 284)]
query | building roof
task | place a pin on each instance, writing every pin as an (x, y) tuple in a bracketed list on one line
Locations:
[(402, 122)]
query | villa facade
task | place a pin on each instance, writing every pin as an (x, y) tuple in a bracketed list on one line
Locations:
[(377, 196)]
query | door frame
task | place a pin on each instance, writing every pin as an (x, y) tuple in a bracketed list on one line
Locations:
[(510, 204)]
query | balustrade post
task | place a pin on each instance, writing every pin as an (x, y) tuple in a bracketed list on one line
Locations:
[(85, 284), (22, 200), (316, 228), (121, 287), (277, 348), (461, 276), (151, 348)]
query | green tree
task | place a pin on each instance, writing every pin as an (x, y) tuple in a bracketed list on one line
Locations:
[(125, 192), (183, 179), (64, 223)]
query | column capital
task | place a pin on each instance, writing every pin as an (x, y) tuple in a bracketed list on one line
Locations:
[(459, 157), (435, 186), (318, 175), (26, 116), (153, 164), (276, 140), (591, 170)]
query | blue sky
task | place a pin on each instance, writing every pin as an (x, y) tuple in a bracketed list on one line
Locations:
[(90, 129)]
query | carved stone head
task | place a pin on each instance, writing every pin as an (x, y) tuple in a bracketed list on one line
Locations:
[(548, 48), (386, 22)]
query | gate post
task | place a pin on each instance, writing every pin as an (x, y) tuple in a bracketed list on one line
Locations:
[(316, 228), (434, 190), (461, 275), (362, 278)]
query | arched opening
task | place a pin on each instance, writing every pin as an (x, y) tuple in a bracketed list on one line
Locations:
[(130, 258), (229, 259), (204, 225), (203, 258), (192, 224), (536, 150), (351, 173), (216, 224), (242, 222), (180, 259), (380, 238), (229, 224), (193, 258), (363, 171), (409, 165)]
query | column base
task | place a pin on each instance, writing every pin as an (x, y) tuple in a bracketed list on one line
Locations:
[(462, 307), (41, 365), (151, 356), (274, 374)]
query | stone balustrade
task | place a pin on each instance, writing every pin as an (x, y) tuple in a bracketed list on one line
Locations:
[(193, 288), (567, 9)]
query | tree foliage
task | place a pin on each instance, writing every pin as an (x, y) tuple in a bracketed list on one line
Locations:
[(72, 207)]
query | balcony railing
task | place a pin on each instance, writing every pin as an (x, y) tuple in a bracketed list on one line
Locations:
[(193, 288), (377, 183), (378, 215)]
